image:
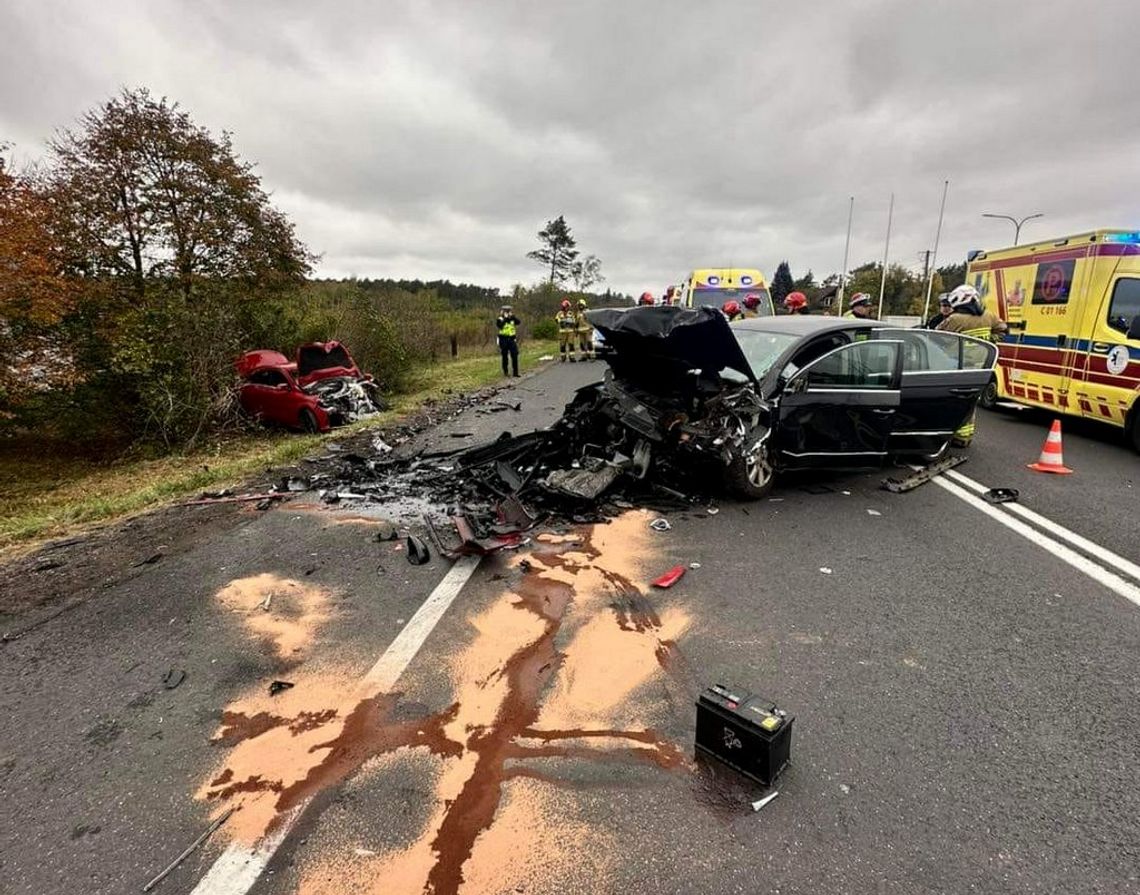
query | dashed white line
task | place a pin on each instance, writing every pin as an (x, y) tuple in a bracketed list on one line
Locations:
[(239, 866)]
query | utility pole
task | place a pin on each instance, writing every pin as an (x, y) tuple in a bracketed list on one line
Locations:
[(925, 263), (937, 238), (886, 253), (846, 251)]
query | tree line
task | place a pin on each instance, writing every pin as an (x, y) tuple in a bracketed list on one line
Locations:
[(904, 292), (143, 255)]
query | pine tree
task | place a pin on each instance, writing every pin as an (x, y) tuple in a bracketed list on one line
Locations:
[(782, 283), (558, 249)]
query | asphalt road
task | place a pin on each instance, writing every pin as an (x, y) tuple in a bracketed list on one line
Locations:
[(965, 698)]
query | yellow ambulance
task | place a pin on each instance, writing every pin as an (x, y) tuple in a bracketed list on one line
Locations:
[(1073, 308), (716, 285)]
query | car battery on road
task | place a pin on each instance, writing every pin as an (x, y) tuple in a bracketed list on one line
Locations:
[(745, 731)]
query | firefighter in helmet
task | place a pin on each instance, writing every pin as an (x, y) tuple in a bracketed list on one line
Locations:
[(731, 310), (968, 318), (860, 307), (585, 331), (796, 303), (567, 322)]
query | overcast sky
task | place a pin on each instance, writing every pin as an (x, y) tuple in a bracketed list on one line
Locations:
[(433, 139)]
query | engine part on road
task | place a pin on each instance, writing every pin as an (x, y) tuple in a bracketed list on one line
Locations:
[(280, 686), (418, 553), (922, 476), (670, 578), (1001, 495), (744, 731)]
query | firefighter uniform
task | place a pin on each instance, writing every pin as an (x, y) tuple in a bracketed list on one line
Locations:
[(567, 322), (986, 326), (585, 332)]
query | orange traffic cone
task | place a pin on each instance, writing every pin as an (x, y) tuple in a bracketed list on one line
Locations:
[(1051, 459)]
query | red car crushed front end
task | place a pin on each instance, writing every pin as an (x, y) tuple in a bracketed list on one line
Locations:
[(323, 388)]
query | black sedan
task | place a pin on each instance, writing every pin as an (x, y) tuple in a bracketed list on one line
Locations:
[(774, 393)]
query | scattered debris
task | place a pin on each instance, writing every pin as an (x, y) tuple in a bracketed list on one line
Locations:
[(546, 357), (670, 578), (744, 731), (922, 476), (1002, 495), (694, 565), (149, 561), (190, 849), (712, 511), (47, 565), (280, 686), (266, 601), (661, 524), (844, 788), (203, 501), (418, 553), (825, 570), (386, 533), (756, 806), (873, 513), (173, 678)]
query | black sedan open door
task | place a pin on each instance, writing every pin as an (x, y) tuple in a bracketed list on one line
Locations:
[(839, 409), (943, 375)]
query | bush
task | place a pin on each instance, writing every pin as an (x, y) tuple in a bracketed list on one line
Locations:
[(547, 328)]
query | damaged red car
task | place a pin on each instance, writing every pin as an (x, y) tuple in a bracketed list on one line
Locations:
[(323, 387)]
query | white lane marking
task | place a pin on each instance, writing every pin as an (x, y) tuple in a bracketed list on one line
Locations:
[(1081, 563), (239, 866), (1118, 562), (400, 652)]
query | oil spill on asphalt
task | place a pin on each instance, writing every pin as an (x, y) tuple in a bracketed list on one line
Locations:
[(550, 674)]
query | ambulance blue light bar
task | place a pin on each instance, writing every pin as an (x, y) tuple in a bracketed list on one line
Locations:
[(1131, 236)]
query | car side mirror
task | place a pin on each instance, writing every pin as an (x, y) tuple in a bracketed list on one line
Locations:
[(1134, 328), (797, 386)]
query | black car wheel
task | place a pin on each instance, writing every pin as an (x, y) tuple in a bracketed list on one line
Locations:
[(989, 397), (750, 473), (308, 421)]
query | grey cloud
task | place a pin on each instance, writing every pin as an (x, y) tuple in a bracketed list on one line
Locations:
[(433, 139)]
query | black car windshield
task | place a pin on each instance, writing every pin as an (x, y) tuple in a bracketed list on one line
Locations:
[(761, 349)]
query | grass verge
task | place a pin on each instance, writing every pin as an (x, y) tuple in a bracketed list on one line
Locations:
[(44, 497)]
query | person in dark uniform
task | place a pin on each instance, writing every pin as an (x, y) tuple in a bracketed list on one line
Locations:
[(507, 326)]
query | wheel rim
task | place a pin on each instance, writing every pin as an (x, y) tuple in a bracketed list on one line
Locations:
[(757, 467)]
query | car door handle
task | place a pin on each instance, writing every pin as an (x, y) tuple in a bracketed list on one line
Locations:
[(884, 411), (963, 390)]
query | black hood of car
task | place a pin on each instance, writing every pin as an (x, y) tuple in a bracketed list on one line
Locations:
[(689, 338)]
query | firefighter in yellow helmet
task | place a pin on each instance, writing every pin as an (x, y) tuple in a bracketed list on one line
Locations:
[(968, 318), (585, 331), (567, 322)]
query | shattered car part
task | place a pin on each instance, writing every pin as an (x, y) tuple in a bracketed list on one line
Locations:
[(661, 525), (670, 578), (588, 484), (418, 553), (922, 476), (1001, 495), (276, 687)]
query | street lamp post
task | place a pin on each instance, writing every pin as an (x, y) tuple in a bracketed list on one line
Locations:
[(1016, 223)]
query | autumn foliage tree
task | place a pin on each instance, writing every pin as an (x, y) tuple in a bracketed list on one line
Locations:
[(178, 248), (34, 294)]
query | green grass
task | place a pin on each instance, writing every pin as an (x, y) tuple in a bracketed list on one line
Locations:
[(44, 497)]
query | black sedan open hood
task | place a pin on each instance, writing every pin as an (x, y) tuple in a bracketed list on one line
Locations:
[(696, 338)]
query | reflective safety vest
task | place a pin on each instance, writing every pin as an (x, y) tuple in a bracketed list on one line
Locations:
[(567, 320), (508, 327), (583, 323)]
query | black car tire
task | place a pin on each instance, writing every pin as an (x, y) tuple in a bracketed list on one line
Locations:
[(750, 474), (989, 397), (308, 421), (1133, 428)]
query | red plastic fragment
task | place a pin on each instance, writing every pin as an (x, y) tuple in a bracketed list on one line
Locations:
[(671, 577)]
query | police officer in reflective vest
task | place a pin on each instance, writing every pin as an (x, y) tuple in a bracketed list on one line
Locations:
[(507, 325), (968, 318), (567, 322)]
